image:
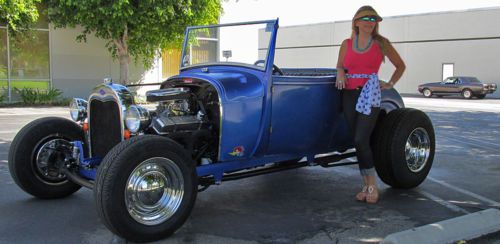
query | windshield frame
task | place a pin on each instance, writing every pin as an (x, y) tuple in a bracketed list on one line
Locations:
[(268, 54)]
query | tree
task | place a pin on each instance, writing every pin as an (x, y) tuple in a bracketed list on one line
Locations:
[(134, 28), (18, 15)]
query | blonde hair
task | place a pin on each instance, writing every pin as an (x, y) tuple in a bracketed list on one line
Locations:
[(381, 41)]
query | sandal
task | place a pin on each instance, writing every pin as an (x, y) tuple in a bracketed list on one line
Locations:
[(372, 195), (361, 196)]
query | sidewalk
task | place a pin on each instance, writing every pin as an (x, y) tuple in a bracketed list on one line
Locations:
[(16, 111)]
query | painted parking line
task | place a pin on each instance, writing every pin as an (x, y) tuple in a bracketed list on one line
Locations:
[(468, 193), (443, 202), (447, 204), (464, 141), (481, 141)]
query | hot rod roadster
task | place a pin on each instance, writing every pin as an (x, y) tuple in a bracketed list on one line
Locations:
[(228, 115)]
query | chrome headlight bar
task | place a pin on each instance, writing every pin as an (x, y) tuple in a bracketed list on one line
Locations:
[(137, 118), (78, 109)]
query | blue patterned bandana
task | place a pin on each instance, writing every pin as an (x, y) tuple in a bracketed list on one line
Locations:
[(370, 94)]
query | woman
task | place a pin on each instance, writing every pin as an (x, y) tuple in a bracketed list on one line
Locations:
[(361, 56)]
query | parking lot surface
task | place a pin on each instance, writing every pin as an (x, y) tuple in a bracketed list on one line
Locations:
[(306, 205)]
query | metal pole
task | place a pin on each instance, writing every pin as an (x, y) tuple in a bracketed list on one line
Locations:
[(8, 68)]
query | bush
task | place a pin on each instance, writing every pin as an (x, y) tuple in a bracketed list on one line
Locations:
[(2, 97), (30, 96)]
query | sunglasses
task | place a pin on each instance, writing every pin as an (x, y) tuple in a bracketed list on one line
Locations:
[(369, 19)]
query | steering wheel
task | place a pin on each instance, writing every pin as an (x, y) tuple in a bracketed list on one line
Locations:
[(276, 70)]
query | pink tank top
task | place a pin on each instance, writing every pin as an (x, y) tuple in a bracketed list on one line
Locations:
[(362, 63)]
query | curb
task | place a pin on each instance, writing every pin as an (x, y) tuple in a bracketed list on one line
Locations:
[(465, 227)]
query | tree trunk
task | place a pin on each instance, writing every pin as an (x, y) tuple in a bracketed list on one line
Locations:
[(124, 61), (123, 55)]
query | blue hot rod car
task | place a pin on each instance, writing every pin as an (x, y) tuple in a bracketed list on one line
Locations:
[(231, 113)]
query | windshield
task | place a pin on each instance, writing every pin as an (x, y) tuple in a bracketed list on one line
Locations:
[(232, 45)]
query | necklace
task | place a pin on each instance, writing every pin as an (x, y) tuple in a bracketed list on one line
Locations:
[(356, 46)]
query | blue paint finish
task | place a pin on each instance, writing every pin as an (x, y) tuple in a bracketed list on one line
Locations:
[(305, 115), (236, 83), (87, 166), (217, 169), (241, 115), (89, 174), (263, 135)]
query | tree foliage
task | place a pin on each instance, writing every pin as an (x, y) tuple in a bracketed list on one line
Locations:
[(137, 28), (18, 15)]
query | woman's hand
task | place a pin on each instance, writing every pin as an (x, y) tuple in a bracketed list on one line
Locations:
[(340, 84), (386, 85)]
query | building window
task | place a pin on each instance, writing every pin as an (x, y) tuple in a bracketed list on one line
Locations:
[(447, 71), (24, 59), (3, 64)]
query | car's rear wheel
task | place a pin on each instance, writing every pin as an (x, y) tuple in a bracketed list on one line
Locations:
[(146, 188), (467, 94), (427, 92), (403, 148)]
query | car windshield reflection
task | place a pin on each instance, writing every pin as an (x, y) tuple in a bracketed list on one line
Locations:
[(228, 45)]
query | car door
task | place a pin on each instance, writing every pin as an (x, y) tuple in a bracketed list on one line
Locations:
[(450, 85)]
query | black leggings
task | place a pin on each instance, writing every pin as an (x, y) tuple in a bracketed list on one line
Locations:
[(361, 127)]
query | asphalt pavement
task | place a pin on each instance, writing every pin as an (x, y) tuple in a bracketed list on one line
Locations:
[(306, 205)]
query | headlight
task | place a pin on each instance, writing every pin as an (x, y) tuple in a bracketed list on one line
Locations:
[(137, 118), (78, 109)]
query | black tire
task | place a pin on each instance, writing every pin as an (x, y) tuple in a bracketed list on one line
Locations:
[(481, 96), (427, 92), (380, 142), (466, 93), (24, 150), (390, 141), (113, 175)]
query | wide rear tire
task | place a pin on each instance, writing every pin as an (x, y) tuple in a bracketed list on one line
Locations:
[(146, 188), (33, 162), (403, 148)]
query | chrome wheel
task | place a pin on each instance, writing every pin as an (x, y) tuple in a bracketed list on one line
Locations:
[(467, 94), (49, 158), (417, 149), (154, 191), (427, 93)]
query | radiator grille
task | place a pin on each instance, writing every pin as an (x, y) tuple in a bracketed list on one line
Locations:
[(105, 126)]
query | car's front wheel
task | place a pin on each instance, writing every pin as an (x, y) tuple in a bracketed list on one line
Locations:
[(403, 148), (37, 154), (467, 94), (427, 92), (145, 188)]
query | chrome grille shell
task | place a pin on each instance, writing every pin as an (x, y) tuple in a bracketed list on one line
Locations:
[(116, 98)]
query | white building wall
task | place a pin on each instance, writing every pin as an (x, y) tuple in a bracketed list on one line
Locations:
[(468, 39), (77, 67)]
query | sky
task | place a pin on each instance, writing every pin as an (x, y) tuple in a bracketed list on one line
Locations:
[(300, 12)]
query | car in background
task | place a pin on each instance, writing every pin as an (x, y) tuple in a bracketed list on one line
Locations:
[(465, 86)]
